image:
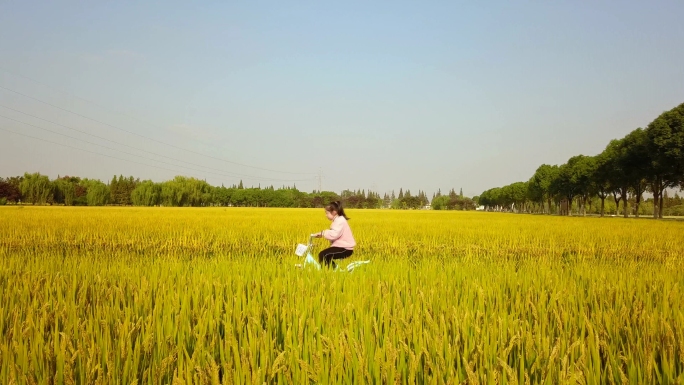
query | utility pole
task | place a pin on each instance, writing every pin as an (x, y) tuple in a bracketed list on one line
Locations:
[(320, 179)]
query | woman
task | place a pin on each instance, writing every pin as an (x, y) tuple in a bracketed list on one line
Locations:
[(340, 235)]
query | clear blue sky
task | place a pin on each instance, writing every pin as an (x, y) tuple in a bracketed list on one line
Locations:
[(432, 95)]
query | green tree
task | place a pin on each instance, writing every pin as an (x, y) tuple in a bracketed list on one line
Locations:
[(440, 202), (636, 160), (37, 189), (602, 177), (98, 193), (541, 183), (517, 196), (146, 193), (583, 169), (114, 190), (65, 190), (617, 175), (666, 150)]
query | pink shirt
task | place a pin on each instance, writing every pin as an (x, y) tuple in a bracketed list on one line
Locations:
[(340, 234)]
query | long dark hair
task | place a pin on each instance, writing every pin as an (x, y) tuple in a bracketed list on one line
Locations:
[(336, 207)]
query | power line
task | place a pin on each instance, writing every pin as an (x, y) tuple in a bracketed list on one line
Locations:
[(135, 148), (78, 97), (81, 149), (148, 138), (231, 175), (127, 160)]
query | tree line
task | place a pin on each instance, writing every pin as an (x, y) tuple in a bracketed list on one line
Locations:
[(649, 160), (181, 191)]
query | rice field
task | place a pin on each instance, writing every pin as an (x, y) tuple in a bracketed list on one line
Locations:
[(211, 296)]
